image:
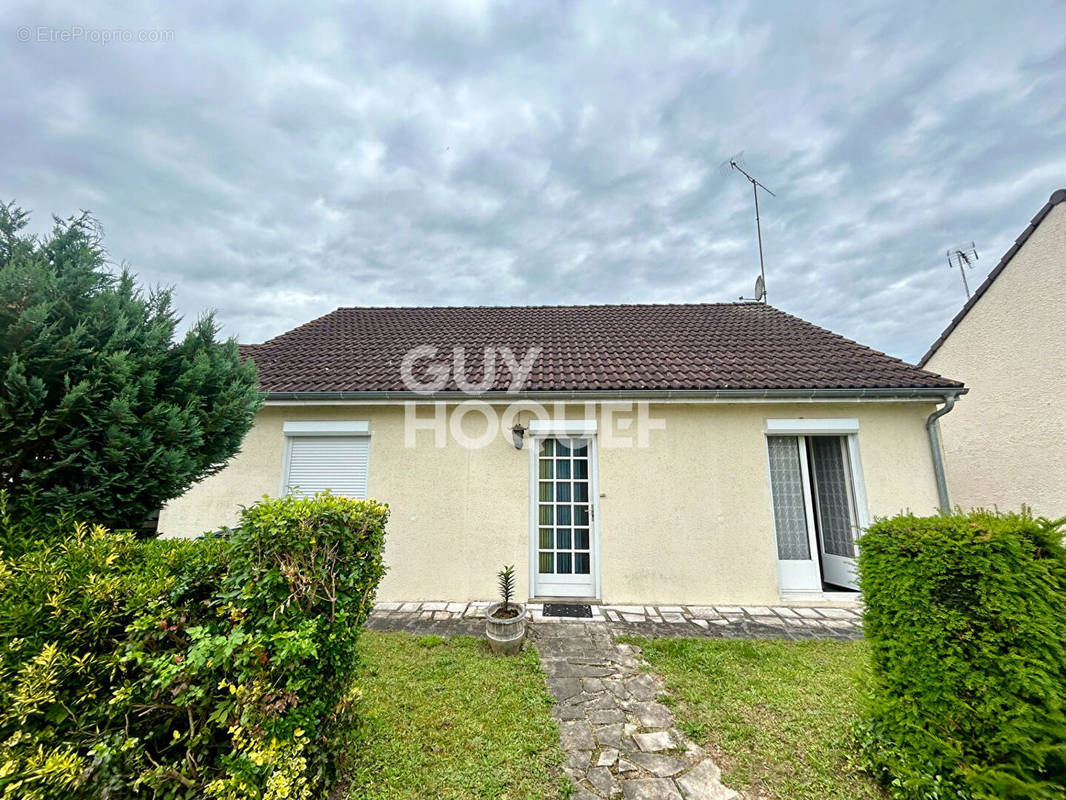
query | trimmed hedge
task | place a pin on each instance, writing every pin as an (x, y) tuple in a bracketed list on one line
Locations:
[(217, 668), (966, 622)]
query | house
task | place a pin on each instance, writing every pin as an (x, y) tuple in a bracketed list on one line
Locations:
[(1006, 445), (717, 453)]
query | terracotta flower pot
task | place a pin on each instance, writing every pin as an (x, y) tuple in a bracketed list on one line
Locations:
[(505, 635)]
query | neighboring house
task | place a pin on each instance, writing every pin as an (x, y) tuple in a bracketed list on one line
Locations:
[(667, 453), (1005, 446)]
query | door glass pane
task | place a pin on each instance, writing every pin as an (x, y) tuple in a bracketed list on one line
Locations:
[(786, 492), (563, 493), (833, 492)]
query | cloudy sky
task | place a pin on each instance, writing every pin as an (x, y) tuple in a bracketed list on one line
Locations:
[(276, 163)]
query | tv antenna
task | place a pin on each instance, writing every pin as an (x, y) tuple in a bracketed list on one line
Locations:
[(963, 257), (735, 164)]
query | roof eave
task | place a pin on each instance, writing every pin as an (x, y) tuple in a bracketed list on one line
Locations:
[(885, 393)]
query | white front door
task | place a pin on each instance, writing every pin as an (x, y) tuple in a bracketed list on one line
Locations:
[(563, 516), (815, 510)]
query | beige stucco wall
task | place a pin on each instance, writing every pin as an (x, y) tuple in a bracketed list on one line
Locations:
[(1005, 442), (685, 519)]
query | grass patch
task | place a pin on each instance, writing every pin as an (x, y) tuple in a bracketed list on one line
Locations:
[(778, 716), (445, 718)]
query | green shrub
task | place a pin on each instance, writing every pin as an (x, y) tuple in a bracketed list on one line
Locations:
[(966, 620), (186, 669)]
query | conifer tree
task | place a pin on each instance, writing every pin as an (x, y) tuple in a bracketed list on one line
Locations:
[(104, 413)]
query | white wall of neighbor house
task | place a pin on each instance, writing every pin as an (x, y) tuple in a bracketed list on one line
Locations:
[(1005, 442), (685, 519)]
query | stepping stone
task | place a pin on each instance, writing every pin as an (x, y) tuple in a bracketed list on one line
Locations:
[(703, 782), (608, 757), (564, 688), (602, 702), (608, 736), (576, 736), (602, 780), (568, 712), (659, 766), (643, 687), (704, 612), (654, 742), (606, 716), (577, 761), (653, 715), (837, 613), (616, 687), (625, 766), (650, 789)]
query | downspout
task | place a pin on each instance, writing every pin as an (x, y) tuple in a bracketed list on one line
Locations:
[(938, 458)]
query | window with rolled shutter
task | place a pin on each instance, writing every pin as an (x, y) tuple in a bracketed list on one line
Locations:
[(336, 463)]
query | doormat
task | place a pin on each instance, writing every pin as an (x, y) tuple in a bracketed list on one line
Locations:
[(568, 610)]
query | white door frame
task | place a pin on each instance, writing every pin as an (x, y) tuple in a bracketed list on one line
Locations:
[(577, 429), (806, 575)]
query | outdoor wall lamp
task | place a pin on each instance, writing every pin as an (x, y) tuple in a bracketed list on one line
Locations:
[(517, 434)]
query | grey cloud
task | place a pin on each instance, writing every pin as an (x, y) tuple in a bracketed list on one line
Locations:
[(274, 162)]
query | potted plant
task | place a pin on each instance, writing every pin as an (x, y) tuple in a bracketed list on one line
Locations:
[(505, 623)]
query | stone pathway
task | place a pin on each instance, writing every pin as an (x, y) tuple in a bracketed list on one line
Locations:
[(723, 622), (619, 741)]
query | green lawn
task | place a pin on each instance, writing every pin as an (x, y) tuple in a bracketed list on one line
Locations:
[(777, 715), (447, 719)]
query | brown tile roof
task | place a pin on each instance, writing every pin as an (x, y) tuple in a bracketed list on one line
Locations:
[(734, 346), (1057, 197)]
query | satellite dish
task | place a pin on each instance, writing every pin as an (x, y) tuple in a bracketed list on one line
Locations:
[(760, 291)]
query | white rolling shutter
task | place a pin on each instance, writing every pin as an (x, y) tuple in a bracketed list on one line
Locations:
[(336, 463)]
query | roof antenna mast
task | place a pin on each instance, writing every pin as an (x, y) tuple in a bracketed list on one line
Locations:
[(760, 284), (963, 257)]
